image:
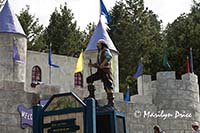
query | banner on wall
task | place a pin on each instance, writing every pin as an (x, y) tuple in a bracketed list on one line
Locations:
[(27, 114)]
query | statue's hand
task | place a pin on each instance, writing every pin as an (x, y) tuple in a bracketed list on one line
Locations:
[(93, 65), (90, 64), (101, 66), (96, 65)]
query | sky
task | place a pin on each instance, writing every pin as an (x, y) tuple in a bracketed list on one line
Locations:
[(86, 11)]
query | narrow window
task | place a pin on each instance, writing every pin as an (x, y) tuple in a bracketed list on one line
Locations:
[(36, 76), (78, 80)]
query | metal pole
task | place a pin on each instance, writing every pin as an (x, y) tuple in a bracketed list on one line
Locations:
[(49, 62), (49, 74)]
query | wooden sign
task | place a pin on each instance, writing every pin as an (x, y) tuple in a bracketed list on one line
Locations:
[(68, 126)]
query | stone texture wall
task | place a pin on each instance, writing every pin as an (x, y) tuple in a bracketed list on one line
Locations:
[(62, 76), (11, 96), (8, 69), (178, 97), (171, 103)]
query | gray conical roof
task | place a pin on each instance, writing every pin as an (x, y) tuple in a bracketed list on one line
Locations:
[(100, 33), (9, 22)]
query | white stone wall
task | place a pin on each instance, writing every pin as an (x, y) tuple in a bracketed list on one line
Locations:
[(161, 102), (8, 69), (164, 96), (11, 96), (62, 76), (172, 103)]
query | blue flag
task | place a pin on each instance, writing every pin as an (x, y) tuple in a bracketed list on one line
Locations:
[(49, 59), (104, 11), (127, 95), (16, 57), (139, 70)]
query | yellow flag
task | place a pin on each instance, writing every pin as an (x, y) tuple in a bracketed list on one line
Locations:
[(79, 65)]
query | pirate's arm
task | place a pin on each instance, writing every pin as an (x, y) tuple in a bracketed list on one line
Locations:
[(108, 57)]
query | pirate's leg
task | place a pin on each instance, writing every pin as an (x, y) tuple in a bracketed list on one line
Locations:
[(109, 90), (110, 97), (91, 87)]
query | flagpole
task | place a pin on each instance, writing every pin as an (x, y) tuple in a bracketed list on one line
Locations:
[(49, 63), (141, 59), (13, 58), (100, 10), (49, 74), (191, 61)]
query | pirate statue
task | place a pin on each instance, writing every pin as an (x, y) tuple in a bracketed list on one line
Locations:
[(103, 73)]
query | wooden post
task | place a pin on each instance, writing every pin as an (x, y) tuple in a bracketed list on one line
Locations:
[(90, 116), (36, 119)]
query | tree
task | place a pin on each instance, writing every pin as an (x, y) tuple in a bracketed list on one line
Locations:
[(88, 32), (136, 33), (63, 34), (1, 3), (182, 34), (31, 26)]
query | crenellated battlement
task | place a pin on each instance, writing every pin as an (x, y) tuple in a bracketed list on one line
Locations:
[(170, 96), (166, 83)]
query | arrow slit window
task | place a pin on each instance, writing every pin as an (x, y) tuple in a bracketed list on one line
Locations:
[(36, 76), (78, 79)]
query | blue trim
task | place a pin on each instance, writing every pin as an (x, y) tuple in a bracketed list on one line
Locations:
[(113, 119), (43, 114), (64, 94), (36, 118), (64, 111), (91, 116), (124, 122)]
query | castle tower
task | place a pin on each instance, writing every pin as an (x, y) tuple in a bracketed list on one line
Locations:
[(176, 100), (91, 53), (10, 32)]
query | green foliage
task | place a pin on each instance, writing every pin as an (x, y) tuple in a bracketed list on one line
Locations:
[(182, 34), (1, 3), (63, 33), (87, 33), (31, 27), (135, 32)]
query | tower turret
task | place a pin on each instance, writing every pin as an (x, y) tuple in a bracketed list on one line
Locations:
[(91, 53), (11, 33)]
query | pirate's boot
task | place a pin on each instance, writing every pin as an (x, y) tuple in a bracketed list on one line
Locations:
[(91, 90), (110, 98)]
